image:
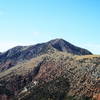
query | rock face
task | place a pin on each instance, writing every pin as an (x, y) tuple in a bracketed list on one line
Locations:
[(21, 53)]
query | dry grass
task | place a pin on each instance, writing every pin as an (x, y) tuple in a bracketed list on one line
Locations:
[(87, 56), (23, 68)]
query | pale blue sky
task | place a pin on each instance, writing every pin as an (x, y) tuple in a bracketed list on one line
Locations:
[(25, 22)]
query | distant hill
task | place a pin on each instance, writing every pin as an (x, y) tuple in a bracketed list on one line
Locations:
[(18, 54)]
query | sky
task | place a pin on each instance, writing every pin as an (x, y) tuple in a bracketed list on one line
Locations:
[(27, 22)]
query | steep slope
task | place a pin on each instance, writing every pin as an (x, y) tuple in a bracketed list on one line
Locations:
[(54, 76), (65, 46), (22, 53)]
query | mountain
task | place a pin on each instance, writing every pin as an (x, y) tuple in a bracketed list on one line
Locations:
[(21, 53), (54, 76), (54, 70), (65, 46)]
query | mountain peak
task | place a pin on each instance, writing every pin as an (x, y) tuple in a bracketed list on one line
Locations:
[(64, 46), (57, 40)]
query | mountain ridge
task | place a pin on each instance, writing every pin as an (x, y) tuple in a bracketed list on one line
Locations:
[(21, 53)]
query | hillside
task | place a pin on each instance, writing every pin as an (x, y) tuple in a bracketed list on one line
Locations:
[(54, 76), (18, 54), (55, 70)]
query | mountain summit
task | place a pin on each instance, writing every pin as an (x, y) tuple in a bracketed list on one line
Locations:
[(65, 46)]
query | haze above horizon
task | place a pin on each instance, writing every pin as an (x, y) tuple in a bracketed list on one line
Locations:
[(26, 22)]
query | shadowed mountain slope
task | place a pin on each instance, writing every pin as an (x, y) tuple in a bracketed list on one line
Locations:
[(65, 46), (21, 53)]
